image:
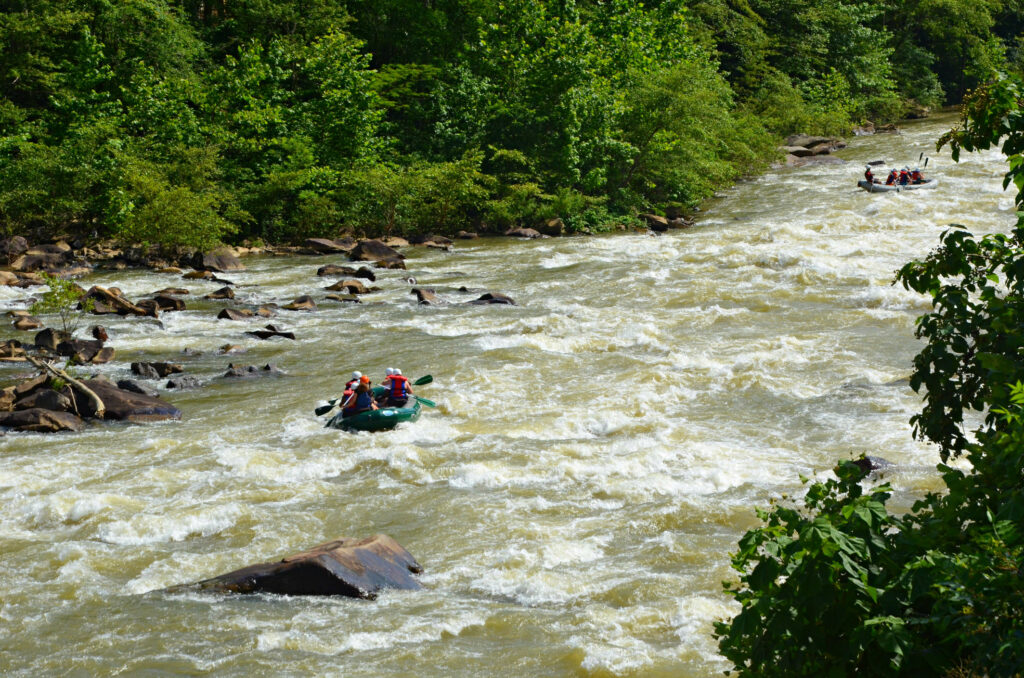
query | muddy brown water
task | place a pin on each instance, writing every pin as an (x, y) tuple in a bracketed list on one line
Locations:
[(595, 454)]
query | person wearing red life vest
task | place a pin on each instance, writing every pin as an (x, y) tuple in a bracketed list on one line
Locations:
[(916, 177), (360, 398), (868, 174), (891, 179), (399, 388), (904, 177)]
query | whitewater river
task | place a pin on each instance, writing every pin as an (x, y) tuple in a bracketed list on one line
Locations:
[(595, 455)]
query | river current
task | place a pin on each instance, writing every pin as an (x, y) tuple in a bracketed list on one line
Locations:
[(596, 452)]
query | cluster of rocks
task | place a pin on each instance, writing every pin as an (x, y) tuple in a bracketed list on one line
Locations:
[(801, 149), (51, 343), (48, 403)]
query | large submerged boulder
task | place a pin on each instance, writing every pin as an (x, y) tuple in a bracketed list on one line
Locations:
[(375, 250), (127, 405), (357, 568), (39, 420)]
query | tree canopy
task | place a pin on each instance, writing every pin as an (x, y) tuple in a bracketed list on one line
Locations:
[(186, 123)]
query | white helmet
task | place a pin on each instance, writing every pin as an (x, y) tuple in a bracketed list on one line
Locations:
[(398, 372), (389, 371), (357, 375)]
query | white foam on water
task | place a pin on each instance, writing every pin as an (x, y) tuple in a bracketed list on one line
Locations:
[(176, 525)]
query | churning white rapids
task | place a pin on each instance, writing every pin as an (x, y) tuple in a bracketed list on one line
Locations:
[(596, 452)]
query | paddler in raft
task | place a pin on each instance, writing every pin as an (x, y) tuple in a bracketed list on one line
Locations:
[(869, 176), (399, 388), (916, 177), (359, 399)]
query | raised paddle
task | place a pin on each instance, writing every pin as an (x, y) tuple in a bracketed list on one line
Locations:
[(425, 379)]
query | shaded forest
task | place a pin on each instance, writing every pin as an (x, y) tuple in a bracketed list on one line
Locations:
[(185, 123)]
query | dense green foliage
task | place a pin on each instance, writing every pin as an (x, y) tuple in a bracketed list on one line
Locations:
[(838, 585), (187, 122)]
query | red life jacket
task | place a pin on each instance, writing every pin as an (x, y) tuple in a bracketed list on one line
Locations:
[(868, 175), (916, 176), (904, 177), (891, 179), (398, 389)]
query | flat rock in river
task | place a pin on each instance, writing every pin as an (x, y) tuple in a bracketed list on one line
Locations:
[(357, 568), (40, 421)]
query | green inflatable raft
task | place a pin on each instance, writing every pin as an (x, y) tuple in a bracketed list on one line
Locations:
[(384, 419)]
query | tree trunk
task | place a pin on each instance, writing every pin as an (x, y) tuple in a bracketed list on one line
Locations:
[(85, 390)]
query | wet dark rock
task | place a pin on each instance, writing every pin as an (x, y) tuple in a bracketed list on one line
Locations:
[(108, 301), (12, 348), (13, 246), (869, 463), (529, 233), (426, 296), (493, 298), (74, 271), (137, 387), (655, 222), (99, 333), (466, 235), (249, 371), (41, 421), (398, 264), (150, 306), (302, 303), (431, 240), (42, 261), (375, 250), (183, 383), (199, 275), (79, 350), (44, 399), (347, 298), (218, 261), (325, 246), (170, 269), (266, 311), (228, 349), (552, 228), (176, 291), (125, 405), (26, 323), (104, 355), (270, 332), (168, 303), (156, 370), (222, 293), (7, 399), (680, 222), (334, 269), (357, 568), (48, 339), (235, 314), (26, 387), (350, 285)]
